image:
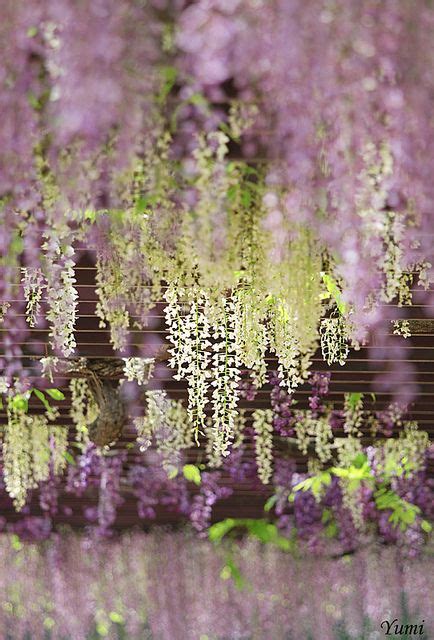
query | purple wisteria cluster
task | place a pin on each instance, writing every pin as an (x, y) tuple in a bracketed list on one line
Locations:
[(327, 525), (331, 520)]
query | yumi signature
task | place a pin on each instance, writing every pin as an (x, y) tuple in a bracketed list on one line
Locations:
[(397, 629)]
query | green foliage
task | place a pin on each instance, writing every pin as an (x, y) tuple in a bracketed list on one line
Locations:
[(69, 458), (403, 513), (19, 403), (270, 503), (169, 76), (426, 526), (354, 399), (56, 394), (331, 528), (42, 398), (231, 571), (218, 530), (334, 292), (192, 473), (316, 484), (262, 530), (354, 475)]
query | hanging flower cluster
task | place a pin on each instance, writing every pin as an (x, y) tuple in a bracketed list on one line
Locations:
[(352, 492), (258, 172), (32, 447), (336, 190)]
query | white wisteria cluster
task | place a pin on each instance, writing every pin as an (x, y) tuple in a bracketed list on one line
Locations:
[(347, 449), (83, 408), (334, 339), (4, 306), (263, 427), (210, 216), (225, 374), (405, 454), (316, 431), (240, 280), (138, 369), (251, 339), (213, 336), (4, 384), (165, 424), (34, 283), (189, 333), (293, 363), (401, 328), (58, 441), (213, 454), (353, 412), (31, 446), (111, 307), (49, 366), (17, 456), (62, 302)]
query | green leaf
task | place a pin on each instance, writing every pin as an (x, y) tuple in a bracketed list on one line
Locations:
[(232, 192), (426, 526), (270, 503), (116, 617), (102, 629), (16, 246), (230, 570), (326, 478), (335, 292), (144, 202), (354, 399), (56, 394), (360, 460), (331, 530), (314, 484), (198, 100), (403, 512), (33, 101), (316, 487), (169, 78), (78, 445), (326, 516), (19, 403), (16, 543), (267, 533), (353, 485), (90, 214), (408, 516), (218, 530), (246, 198), (304, 485), (261, 529), (192, 473), (69, 458), (42, 398)]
